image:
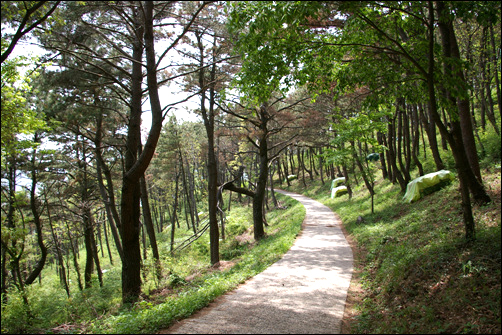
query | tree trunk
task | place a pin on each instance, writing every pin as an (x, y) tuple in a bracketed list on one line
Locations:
[(486, 79), (212, 166), (130, 201), (38, 224), (258, 216), (455, 138), (75, 259), (465, 142), (107, 195), (147, 218), (416, 139), (430, 129), (173, 216), (89, 261), (259, 196), (381, 141), (274, 199), (451, 72), (392, 155), (402, 139), (135, 167), (495, 65)]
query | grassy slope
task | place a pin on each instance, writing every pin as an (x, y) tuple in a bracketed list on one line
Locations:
[(413, 271)]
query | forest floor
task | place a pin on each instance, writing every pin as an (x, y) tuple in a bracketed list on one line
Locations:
[(304, 292)]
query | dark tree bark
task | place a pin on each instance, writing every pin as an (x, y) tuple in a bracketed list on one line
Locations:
[(416, 139), (402, 140), (38, 224), (383, 162), (135, 166), (107, 195), (74, 253), (430, 129), (455, 137), (261, 185), (392, 155), (28, 23), (494, 63), (274, 199), (130, 211), (175, 209), (460, 129), (147, 217), (212, 165), (451, 51), (486, 78)]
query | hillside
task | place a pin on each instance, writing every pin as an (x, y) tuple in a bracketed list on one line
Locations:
[(414, 272)]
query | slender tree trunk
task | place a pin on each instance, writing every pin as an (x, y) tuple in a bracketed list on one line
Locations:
[(75, 258), (57, 244), (486, 79), (95, 252), (366, 179), (147, 218), (455, 138), (402, 140), (259, 196), (175, 208), (347, 181), (416, 139), (430, 129), (212, 166), (381, 141), (286, 172), (108, 196), (495, 65), (274, 199), (392, 155), (186, 194), (148, 222), (38, 224), (107, 241), (147, 215)]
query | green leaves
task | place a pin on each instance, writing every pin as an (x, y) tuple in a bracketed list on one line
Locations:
[(269, 40), (18, 116)]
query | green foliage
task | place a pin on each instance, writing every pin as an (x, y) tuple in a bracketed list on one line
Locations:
[(492, 146), (264, 32), (14, 315), (18, 116)]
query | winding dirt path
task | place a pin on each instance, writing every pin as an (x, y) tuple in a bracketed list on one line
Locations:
[(302, 293)]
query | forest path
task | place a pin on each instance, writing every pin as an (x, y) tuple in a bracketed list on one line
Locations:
[(303, 292)]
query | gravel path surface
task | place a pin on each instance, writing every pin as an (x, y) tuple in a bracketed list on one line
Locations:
[(302, 293)]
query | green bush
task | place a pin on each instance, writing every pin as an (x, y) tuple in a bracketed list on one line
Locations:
[(492, 146), (15, 318)]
